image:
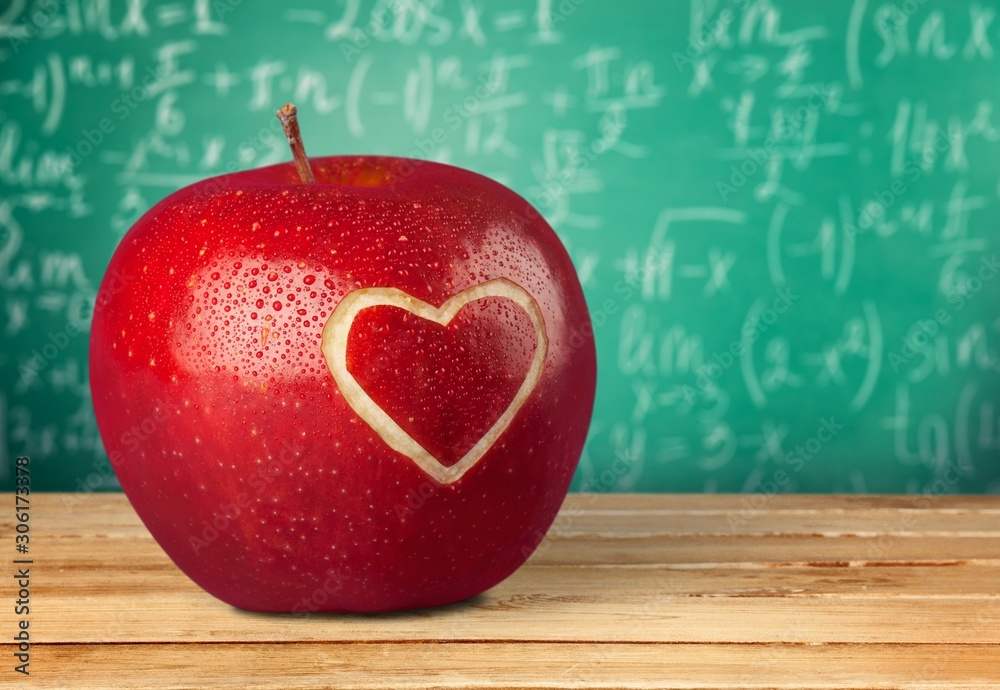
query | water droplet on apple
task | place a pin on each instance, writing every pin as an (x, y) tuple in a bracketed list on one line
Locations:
[(276, 306), (272, 276), (330, 285), (259, 303), (309, 279)]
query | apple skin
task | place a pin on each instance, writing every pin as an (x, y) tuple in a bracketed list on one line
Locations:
[(231, 438)]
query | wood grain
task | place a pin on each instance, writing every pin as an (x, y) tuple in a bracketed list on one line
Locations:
[(492, 665), (627, 591)]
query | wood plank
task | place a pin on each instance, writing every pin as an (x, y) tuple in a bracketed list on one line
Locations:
[(826, 523), (193, 616), (67, 576), (689, 591), (111, 514), (491, 665), (644, 551), (804, 503), (630, 540), (682, 589), (629, 550)]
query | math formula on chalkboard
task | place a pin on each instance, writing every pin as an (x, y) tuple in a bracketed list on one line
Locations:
[(786, 216)]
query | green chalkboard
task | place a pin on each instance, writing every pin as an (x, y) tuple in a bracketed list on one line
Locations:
[(786, 215)]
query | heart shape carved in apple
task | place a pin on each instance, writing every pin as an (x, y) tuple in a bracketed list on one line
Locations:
[(335, 347)]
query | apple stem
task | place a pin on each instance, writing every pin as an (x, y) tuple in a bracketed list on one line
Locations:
[(290, 123)]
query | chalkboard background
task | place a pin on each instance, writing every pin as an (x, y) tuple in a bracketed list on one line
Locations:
[(785, 215)]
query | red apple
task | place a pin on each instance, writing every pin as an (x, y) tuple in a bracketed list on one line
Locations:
[(365, 392)]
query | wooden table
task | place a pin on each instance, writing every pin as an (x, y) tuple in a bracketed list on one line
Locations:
[(628, 591)]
